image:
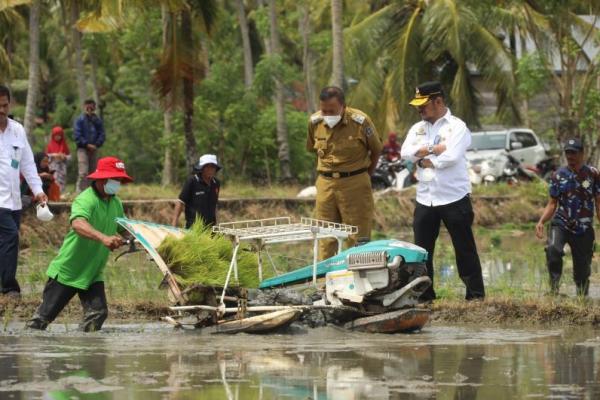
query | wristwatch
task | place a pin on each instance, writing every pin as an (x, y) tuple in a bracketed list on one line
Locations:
[(430, 149)]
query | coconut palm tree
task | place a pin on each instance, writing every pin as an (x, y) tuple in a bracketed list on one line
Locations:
[(11, 24), (337, 29), (561, 44), (304, 26), (244, 31), (33, 85), (407, 42), (181, 65)]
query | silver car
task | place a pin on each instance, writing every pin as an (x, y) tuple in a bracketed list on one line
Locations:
[(488, 153)]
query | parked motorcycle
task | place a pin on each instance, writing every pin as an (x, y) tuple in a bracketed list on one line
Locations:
[(392, 173), (515, 172), (502, 168)]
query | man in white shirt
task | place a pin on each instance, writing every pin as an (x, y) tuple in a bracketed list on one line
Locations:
[(438, 144), (15, 158)]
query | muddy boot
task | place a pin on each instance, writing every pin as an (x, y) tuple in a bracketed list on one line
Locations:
[(37, 323)]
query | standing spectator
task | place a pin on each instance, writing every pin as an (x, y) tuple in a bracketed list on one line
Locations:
[(89, 137), (200, 194), (16, 158), (348, 148), (574, 194), (391, 148), (438, 144), (59, 153)]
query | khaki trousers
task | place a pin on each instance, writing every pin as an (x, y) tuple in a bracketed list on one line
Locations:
[(345, 200), (86, 164)]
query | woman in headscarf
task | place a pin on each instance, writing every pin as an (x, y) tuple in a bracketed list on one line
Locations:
[(59, 154)]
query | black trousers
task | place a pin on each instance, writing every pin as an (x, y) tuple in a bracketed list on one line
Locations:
[(9, 250), (458, 218), (56, 296), (582, 250)]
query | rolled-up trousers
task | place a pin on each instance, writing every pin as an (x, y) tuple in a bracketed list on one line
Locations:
[(582, 250)]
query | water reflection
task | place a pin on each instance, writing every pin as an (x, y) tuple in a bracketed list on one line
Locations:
[(440, 363)]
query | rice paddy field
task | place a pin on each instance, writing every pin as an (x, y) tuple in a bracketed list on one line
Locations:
[(513, 261)]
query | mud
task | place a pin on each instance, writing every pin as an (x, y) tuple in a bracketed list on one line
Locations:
[(493, 312)]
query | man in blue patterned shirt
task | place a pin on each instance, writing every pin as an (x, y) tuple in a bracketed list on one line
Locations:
[(574, 194)]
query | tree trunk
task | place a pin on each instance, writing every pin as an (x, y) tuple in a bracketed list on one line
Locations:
[(248, 63), (279, 98), (191, 153), (34, 68), (95, 86), (337, 30), (79, 68), (168, 172), (307, 57), (204, 48)]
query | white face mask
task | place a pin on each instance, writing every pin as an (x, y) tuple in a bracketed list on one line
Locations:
[(112, 186), (332, 120)]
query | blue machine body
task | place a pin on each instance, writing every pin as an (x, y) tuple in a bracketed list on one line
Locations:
[(409, 252)]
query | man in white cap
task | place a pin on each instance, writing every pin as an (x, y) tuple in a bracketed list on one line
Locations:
[(200, 194)]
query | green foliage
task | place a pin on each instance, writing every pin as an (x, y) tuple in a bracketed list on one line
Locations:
[(531, 75), (390, 46), (588, 125), (202, 258)]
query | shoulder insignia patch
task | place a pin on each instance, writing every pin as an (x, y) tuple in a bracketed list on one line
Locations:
[(316, 118), (360, 119), (368, 131)]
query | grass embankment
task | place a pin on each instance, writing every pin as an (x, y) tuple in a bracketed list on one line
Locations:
[(504, 309), (229, 190)]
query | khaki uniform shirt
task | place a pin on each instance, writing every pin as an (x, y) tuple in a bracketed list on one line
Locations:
[(347, 146)]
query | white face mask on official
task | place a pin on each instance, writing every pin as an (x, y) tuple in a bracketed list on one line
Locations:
[(332, 120)]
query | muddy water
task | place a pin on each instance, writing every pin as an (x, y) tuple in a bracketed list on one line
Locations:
[(154, 362)]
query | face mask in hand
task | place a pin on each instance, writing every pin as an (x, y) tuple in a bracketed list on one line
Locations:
[(332, 120), (112, 186)]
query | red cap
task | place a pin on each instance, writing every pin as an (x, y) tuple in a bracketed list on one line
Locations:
[(393, 135), (57, 130), (110, 168)]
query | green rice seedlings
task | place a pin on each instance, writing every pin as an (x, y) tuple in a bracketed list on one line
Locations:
[(201, 257)]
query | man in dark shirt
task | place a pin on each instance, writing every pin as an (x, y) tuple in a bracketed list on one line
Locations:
[(200, 194), (574, 194)]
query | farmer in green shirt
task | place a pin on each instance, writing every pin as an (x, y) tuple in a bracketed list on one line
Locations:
[(79, 266)]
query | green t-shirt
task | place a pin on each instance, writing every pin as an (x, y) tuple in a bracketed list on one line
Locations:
[(81, 261)]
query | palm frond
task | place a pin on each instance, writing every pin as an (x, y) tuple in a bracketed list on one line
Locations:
[(5, 4)]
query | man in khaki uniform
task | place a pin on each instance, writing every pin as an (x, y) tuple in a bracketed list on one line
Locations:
[(347, 148)]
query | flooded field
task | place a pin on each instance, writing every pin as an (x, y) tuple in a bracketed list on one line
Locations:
[(154, 362)]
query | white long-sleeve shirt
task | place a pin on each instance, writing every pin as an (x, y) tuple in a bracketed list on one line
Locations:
[(16, 157), (451, 178)]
